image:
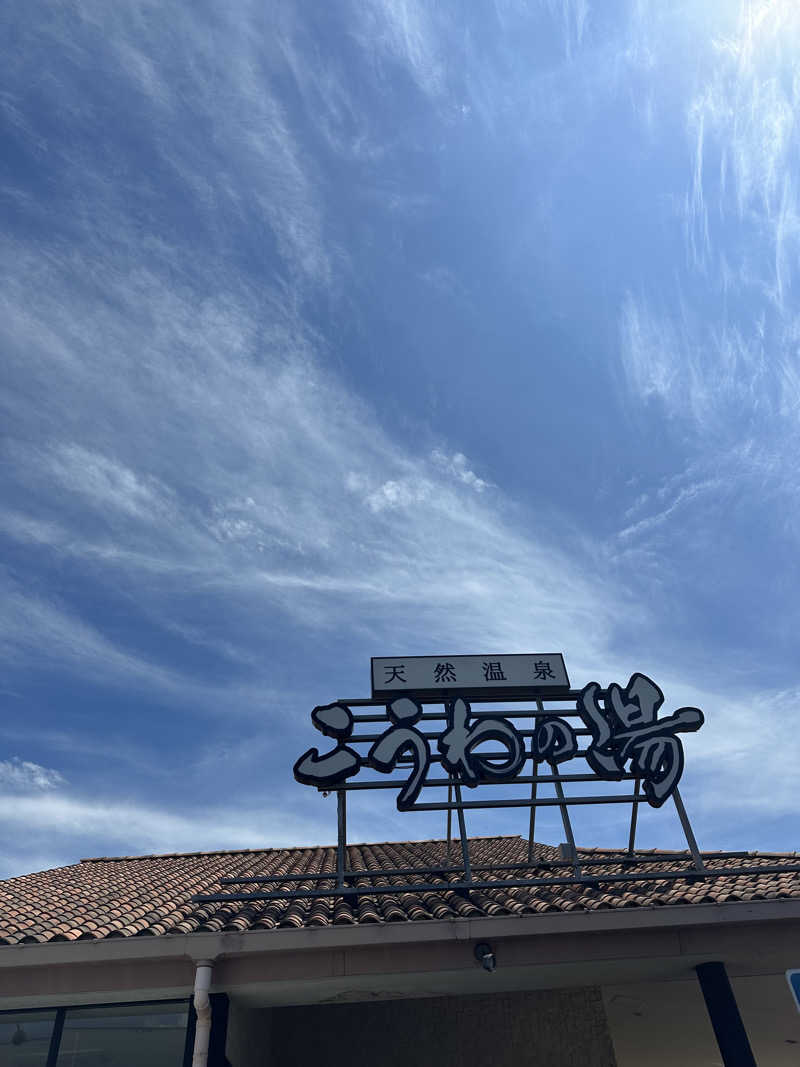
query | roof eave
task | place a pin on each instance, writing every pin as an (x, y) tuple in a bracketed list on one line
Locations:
[(206, 945)]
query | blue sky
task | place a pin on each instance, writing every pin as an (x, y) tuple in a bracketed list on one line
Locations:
[(380, 326)]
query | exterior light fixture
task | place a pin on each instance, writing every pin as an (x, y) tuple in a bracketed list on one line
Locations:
[(485, 956)]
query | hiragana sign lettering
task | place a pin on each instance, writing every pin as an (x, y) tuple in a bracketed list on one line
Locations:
[(628, 740), (460, 740)]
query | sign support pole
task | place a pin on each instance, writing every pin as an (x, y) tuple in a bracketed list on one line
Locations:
[(462, 829), (534, 789), (687, 829), (341, 841), (634, 814), (449, 815), (567, 823), (532, 820)]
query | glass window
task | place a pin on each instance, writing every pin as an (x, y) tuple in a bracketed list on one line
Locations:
[(25, 1038), (124, 1035)]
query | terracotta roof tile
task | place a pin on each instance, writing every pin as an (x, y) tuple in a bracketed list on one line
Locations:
[(150, 896)]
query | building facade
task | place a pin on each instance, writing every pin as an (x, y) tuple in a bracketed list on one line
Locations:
[(112, 962)]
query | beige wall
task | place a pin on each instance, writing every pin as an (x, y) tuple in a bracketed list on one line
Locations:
[(666, 1023), (559, 1028)]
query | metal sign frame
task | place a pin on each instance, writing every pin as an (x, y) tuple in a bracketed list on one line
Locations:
[(619, 734)]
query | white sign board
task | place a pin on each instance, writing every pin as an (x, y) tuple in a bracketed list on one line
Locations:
[(793, 978), (503, 675)]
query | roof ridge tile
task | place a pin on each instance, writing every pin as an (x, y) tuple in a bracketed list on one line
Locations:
[(271, 849)]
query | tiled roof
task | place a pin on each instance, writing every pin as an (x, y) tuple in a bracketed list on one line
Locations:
[(151, 895)]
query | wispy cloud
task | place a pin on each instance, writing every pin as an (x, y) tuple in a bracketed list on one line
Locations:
[(250, 166), (669, 506), (457, 467), (23, 775), (744, 119), (719, 377), (59, 828), (405, 31), (751, 103), (227, 459), (107, 485), (574, 16), (651, 349), (719, 341)]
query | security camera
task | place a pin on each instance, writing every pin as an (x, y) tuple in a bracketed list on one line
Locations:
[(485, 956)]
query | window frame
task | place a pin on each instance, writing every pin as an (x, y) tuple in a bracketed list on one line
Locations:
[(191, 1018)]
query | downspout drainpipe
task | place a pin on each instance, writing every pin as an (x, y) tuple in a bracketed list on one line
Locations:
[(202, 1007)]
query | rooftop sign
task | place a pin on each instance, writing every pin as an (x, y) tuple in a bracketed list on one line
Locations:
[(426, 734), (491, 674)]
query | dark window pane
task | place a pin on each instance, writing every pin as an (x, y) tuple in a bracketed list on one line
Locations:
[(125, 1035), (25, 1038)]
